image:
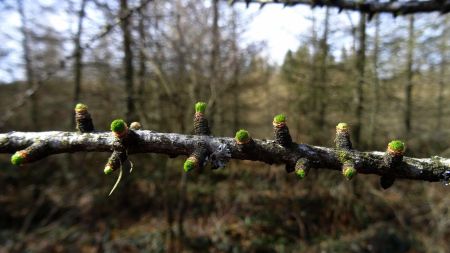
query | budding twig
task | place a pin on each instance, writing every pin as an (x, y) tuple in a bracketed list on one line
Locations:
[(281, 131), (83, 119)]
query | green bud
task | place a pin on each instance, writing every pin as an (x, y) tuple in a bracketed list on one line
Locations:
[(189, 164), (118, 126), (349, 172), (200, 107), (280, 118), (342, 126), (397, 146), (108, 170), (301, 173), (18, 158), (242, 136), (81, 107)]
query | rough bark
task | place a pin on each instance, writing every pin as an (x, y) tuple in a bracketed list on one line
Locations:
[(370, 7), (267, 151)]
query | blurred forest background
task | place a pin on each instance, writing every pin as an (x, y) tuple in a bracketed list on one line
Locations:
[(152, 60)]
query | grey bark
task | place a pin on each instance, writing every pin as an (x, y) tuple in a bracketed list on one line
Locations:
[(267, 151)]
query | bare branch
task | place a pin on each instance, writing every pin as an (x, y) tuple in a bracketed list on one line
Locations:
[(267, 151), (370, 7)]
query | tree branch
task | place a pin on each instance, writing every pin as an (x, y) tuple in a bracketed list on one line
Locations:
[(370, 7), (267, 151), (203, 148)]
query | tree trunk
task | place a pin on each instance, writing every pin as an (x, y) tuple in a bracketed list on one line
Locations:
[(442, 73), (130, 114), (409, 78), (360, 67), (142, 99), (78, 68), (376, 83), (236, 73), (323, 78), (29, 71), (213, 81)]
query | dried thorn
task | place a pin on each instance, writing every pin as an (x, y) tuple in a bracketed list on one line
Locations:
[(131, 165)]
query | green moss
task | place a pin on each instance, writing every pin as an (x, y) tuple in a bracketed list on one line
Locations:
[(242, 135), (17, 159), (108, 170), (301, 173), (118, 126), (200, 107), (397, 146), (189, 165), (280, 118), (81, 107), (349, 172), (342, 126)]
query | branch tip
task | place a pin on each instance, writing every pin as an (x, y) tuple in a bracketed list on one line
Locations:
[(19, 158)]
